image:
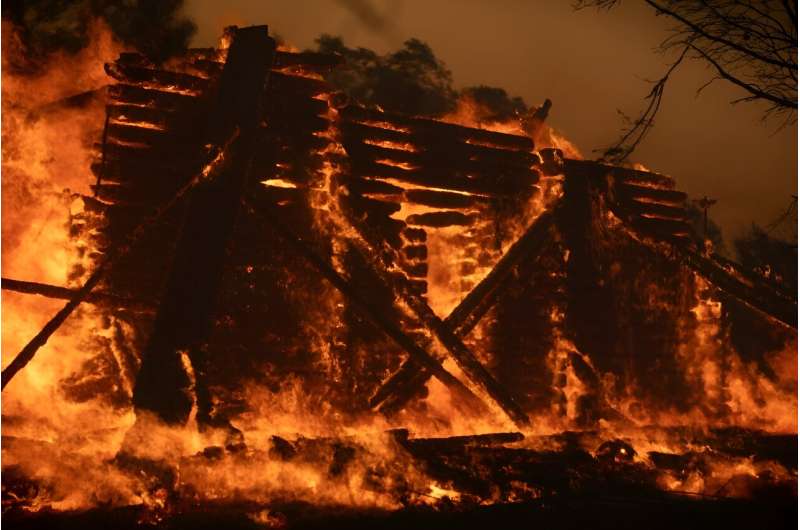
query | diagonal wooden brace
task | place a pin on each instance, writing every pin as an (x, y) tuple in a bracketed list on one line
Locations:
[(411, 377), (376, 253), (375, 314)]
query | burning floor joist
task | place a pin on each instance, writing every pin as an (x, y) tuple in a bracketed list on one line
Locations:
[(302, 311)]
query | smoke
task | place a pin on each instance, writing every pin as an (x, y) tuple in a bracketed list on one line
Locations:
[(370, 18)]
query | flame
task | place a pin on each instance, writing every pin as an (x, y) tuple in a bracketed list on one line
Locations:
[(95, 452)]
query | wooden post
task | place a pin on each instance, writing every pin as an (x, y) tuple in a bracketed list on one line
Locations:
[(185, 314)]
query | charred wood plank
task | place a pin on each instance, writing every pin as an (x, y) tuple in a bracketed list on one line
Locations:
[(760, 295), (416, 252), (447, 150), (598, 171), (662, 228), (497, 170), (373, 207), (291, 125), (164, 79), (148, 171), (292, 145), (136, 195), (159, 153), (436, 128), (297, 86), (66, 293), (363, 186), (448, 179), (476, 440), (151, 136), (631, 192), (440, 219), (314, 61), (296, 106), (206, 67), (126, 113), (653, 209), (151, 97), (444, 199), (415, 270), (355, 132)]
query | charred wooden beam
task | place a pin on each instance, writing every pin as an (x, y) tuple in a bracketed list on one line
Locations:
[(372, 207), (170, 81), (363, 186), (445, 149), (410, 377), (290, 124), (151, 97), (439, 128), (476, 440), (119, 111), (416, 252), (67, 293), (444, 199), (597, 171), (448, 157), (653, 209), (453, 179), (158, 153), (369, 249), (297, 86), (110, 257), (186, 310), (147, 171), (759, 295), (294, 105), (661, 227), (415, 234), (440, 219), (80, 100), (137, 194), (151, 136), (314, 61), (377, 315), (630, 192)]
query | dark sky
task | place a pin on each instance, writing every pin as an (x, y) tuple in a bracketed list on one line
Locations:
[(589, 63)]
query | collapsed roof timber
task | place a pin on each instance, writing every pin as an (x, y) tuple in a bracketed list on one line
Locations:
[(246, 216)]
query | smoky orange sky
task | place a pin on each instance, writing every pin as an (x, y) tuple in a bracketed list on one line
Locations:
[(589, 63)]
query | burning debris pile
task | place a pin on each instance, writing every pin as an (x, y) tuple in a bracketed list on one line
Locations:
[(294, 300)]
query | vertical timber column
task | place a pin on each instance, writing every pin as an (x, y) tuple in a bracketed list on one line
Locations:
[(591, 320), (185, 315)]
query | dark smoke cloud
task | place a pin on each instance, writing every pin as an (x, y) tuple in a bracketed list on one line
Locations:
[(371, 19)]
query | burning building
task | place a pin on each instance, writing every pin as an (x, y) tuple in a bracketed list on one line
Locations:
[(290, 303)]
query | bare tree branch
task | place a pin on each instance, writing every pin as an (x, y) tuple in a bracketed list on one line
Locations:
[(751, 44), (755, 92)]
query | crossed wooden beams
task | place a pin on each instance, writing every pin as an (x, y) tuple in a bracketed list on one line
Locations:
[(449, 332)]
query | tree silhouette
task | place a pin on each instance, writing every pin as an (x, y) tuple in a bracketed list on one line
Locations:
[(156, 28), (411, 80), (751, 44)]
